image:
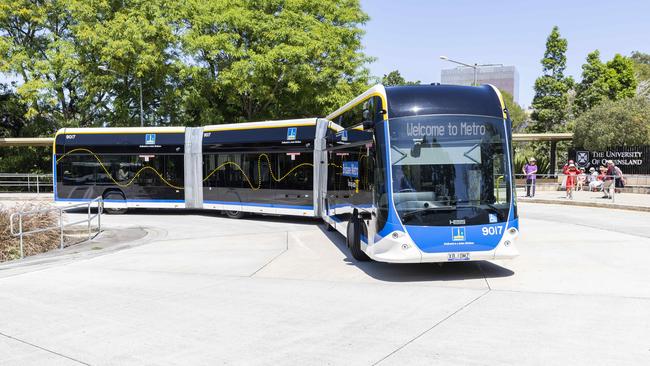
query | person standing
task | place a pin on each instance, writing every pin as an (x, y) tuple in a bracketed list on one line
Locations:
[(530, 170), (571, 178), (608, 185)]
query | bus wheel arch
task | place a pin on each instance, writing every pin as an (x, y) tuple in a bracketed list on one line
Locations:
[(115, 194)]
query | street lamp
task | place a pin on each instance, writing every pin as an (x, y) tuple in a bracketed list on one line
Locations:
[(475, 67), (105, 68)]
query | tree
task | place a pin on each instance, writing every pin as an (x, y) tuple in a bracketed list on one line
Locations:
[(395, 78), (84, 62), (550, 103), (621, 82), (34, 44), (274, 59), (593, 88), (642, 72), (613, 80), (614, 123), (518, 115)]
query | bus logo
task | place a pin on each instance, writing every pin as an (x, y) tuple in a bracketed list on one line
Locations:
[(458, 233), (150, 139), (291, 133)]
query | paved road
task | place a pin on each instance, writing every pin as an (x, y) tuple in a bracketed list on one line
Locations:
[(205, 290)]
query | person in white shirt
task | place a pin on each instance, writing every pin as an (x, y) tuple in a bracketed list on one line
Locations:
[(594, 183)]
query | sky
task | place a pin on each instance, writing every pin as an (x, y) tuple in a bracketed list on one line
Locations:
[(411, 35)]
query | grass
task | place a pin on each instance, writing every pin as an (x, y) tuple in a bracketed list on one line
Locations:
[(32, 243)]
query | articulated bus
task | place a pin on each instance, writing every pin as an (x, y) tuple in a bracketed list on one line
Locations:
[(407, 174)]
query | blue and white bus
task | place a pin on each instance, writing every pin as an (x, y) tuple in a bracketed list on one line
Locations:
[(406, 174), (422, 174)]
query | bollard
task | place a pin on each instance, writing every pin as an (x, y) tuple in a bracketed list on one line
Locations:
[(89, 204), (61, 226), (20, 225), (100, 210)]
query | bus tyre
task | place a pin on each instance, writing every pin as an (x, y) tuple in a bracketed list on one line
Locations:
[(234, 214), (114, 196), (353, 240), (328, 227)]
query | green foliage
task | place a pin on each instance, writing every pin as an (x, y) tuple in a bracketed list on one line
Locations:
[(83, 63), (624, 122), (517, 114), (613, 80), (13, 123), (550, 103), (275, 59), (394, 78), (642, 72), (641, 64)]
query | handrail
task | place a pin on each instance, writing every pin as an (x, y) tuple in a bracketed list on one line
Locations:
[(98, 202), (20, 181)]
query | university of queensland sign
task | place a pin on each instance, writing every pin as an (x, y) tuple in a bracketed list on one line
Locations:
[(631, 160)]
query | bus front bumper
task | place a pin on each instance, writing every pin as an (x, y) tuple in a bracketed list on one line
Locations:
[(399, 248)]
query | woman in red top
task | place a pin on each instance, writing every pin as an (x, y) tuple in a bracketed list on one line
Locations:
[(571, 177)]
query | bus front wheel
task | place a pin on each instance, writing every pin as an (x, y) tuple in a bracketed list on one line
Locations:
[(353, 240)]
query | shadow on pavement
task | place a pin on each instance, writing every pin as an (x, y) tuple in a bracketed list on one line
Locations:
[(414, 272)]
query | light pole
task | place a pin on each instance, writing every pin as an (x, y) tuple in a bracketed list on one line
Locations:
[(105, 68), (475, 67)]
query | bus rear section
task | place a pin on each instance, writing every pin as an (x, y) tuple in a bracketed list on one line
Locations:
[(128, 167)]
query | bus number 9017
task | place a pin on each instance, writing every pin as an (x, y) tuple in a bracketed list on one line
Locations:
[(492, 230)]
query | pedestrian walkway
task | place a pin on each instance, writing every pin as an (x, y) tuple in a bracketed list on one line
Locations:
[(626, 201)]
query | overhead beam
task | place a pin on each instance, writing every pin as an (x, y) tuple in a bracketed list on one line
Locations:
[(26, 141), (523, 137)]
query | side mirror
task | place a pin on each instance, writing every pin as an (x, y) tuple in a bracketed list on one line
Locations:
[(367, 120), (416, 149)]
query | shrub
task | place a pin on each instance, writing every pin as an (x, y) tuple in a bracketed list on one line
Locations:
[(33, 243), (624, 122)]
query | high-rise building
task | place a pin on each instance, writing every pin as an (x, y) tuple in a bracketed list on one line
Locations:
[(505, 78)]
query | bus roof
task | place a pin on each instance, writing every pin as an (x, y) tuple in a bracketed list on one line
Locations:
[(484, 100), (262, 124), (120, 130), (413, 100)]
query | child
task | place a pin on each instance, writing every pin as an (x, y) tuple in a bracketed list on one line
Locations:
[(571, 177), (582, 178)]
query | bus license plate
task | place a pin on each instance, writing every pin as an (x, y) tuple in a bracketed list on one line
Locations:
[(458, 256)]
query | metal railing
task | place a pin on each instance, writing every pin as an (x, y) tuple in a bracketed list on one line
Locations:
[(632, 180), (97, 202), (608, 185), (25, 182)]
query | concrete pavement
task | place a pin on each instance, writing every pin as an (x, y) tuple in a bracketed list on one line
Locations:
[(209, 290)]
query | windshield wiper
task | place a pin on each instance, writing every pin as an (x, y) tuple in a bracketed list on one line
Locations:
[(481, 203), (426, 209)]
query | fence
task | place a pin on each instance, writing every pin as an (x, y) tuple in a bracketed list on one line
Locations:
[(97, 202), (633, 183), (20, 182)]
